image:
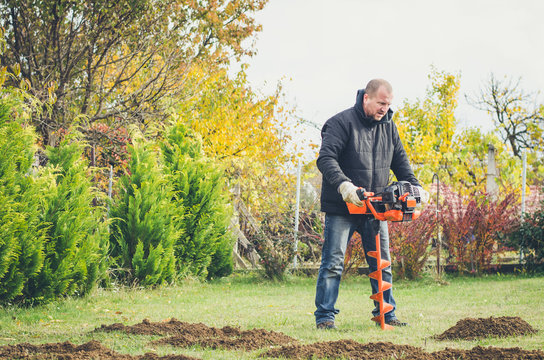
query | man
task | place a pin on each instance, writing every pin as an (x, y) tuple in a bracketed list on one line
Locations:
[(359, 147)]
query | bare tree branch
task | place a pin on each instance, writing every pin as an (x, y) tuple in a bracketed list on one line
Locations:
[(516, 114)]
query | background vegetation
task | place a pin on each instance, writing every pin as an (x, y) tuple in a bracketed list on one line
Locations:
[(129, 144)]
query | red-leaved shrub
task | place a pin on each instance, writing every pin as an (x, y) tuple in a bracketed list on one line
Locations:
[(410, 244), (472, 228)]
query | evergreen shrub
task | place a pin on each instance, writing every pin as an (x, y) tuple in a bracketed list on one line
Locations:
[(21, 236), (142, 229), (203, 247), (76, 234)]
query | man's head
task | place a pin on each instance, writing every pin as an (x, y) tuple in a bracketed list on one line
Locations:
[(377, 99)]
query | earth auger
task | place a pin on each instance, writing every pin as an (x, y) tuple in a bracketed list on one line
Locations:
[(396, 203)]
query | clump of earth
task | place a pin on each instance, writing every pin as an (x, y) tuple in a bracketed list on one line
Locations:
[(471, 329), (182, 334), (349, 349), (170, 327), (466, 329), (68, 351), (190, 334)]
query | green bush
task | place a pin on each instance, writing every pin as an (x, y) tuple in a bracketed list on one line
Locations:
[(204, 245), (142, 231), (222, 263), (76, 244), (21, 237), (530, 237)]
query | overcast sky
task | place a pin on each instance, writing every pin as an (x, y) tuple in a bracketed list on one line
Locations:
[(327, 49)]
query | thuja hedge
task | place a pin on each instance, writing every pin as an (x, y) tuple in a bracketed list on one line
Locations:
[(172, 214), (169, 217), (143, 230), (76, 244), (203, 246), (22, 235), (52, 240)]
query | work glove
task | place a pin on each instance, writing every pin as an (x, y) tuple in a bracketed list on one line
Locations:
[(423, 195), (349, 193)]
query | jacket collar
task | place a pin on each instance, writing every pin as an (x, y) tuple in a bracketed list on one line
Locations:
[(368, 121)]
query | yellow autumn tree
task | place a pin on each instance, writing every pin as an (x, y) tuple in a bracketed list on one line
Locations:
[(115, 60), (250, 134), (468, 160), (428, 129)]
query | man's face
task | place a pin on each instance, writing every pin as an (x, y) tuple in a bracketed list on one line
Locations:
[(377, 105)]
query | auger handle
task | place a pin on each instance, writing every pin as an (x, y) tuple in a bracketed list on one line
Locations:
[(370, 207), (363, 194)]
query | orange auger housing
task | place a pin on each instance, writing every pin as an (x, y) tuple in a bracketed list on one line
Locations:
[(403, 210), (397, 202)]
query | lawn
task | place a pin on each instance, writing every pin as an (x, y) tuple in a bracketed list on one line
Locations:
[(429, 306)]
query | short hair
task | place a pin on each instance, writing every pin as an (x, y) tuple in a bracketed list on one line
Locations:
[(374, 84)]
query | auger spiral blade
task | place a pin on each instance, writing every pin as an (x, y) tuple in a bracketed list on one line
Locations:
[(382, 286)]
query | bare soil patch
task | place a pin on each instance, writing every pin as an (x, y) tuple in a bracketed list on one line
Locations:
[(488, 353), (479, 328), (68, 351), (190, 334), (170, 327), (246, 340), (349, 349)]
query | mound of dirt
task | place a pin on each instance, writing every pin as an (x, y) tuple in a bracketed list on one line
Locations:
[(470, 329), (344, 349), (349, 349), (246, 340), (68, 351), (188, 334), (489, 353), (171, 327)]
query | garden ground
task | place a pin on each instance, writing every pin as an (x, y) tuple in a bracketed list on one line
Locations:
[(243, 304)]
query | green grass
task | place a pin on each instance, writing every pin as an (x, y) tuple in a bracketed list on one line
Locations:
[(245, 301)]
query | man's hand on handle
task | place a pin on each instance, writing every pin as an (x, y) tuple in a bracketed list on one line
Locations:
[(424, 195), (349, 193)]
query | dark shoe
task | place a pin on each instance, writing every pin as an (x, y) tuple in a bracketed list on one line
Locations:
[(326, 325), (395, 322)]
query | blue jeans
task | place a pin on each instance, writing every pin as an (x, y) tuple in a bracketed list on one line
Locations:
[(338, 231)]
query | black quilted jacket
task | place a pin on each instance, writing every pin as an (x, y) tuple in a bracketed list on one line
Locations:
[(359, 149)]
